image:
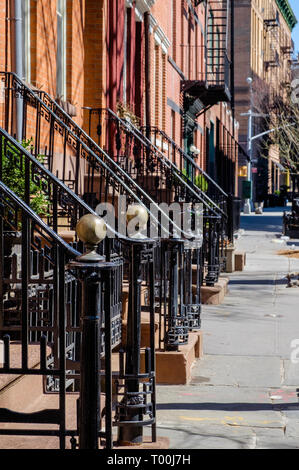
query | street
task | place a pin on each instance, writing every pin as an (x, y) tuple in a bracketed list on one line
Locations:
[(243, 391)]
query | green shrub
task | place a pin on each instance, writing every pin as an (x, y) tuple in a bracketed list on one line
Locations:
[(13, 176), (199, 180), (201, 183)]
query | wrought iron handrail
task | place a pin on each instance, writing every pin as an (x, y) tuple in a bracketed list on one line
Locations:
[(94, 154), (147, 166), (162, 159), (47, 298), (190, 159), (66, 192), (187, 158), (72, 252)]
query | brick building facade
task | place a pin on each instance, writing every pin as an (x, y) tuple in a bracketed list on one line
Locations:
[(263, 48), (137, 53)]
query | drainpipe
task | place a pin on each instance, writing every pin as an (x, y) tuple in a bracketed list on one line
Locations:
[(18, 52), (232, 41), (147, 74)]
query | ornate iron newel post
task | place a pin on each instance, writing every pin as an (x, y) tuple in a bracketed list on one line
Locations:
[(91, 269), (176, 320), (230, 217), (213, 264), (136, 380)]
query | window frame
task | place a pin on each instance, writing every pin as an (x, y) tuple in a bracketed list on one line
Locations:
[(26, 42), (61, 50)]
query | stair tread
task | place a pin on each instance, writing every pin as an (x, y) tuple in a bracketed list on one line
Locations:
[(15, 361), (45, 401), (145, 318)]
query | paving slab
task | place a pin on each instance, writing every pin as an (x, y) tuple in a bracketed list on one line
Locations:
[(240, 371), (243, 393), (203, 438)]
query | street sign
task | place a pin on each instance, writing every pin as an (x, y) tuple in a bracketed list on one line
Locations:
[(242, 171), (246, 189)]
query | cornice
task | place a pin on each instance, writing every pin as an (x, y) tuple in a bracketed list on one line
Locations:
[(287, 13), (159, 35), (141, 6)]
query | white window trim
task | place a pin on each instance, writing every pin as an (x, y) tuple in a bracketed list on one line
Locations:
[(62, 13), (26, 40)]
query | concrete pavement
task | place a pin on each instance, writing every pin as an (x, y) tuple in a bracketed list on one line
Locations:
[(243, 392)]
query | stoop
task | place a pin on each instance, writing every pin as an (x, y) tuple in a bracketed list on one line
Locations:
[(240, 260), (174, 367), (230, 259), (214, 295)]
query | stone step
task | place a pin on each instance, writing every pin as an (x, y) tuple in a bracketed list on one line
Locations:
[(173, 367), (214, 295), (145, 330), (24, 393), (240, 260), (15, 353)]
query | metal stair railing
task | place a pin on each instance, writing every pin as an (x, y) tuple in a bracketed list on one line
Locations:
[(41, 313), (198, 177), (47, 128), (193, 172), (164, 181), (70, 207), (154, 161), (39, 121)]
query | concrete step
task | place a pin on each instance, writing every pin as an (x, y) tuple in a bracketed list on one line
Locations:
[(145, 330), (173, 367), (240, 260), (213, 295), (26, 394)]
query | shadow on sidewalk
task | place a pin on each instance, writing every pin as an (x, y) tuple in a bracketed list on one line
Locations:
[(269, 223), (269, 282), (228, 406)]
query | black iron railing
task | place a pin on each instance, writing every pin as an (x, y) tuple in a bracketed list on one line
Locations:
[(66, 207), (189, 168), (60, 139), (204, 185), (39, 318), (161, 178), (63, 204)]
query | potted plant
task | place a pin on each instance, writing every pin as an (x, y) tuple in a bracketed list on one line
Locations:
[(125, 112)]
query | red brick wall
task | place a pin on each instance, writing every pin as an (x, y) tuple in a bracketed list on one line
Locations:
[(43, 45), (95, 60)]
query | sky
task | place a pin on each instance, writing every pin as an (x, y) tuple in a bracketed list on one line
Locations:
[(295, 5)]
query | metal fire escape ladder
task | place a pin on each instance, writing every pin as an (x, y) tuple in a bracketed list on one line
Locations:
[(214, 86)]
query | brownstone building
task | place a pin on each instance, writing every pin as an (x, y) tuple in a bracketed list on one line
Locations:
[(263, 48), (136, 54), (104, 101)]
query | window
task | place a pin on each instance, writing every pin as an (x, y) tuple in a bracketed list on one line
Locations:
[(125, 68), (61, 50), (174, 19), (26, 72), (163, 91), (210, 41), (157, 85)]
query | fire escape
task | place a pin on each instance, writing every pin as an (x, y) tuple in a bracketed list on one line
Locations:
[(271, 28), (211, 85)]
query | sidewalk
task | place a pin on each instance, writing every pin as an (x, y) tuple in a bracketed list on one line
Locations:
[(243, 392)]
